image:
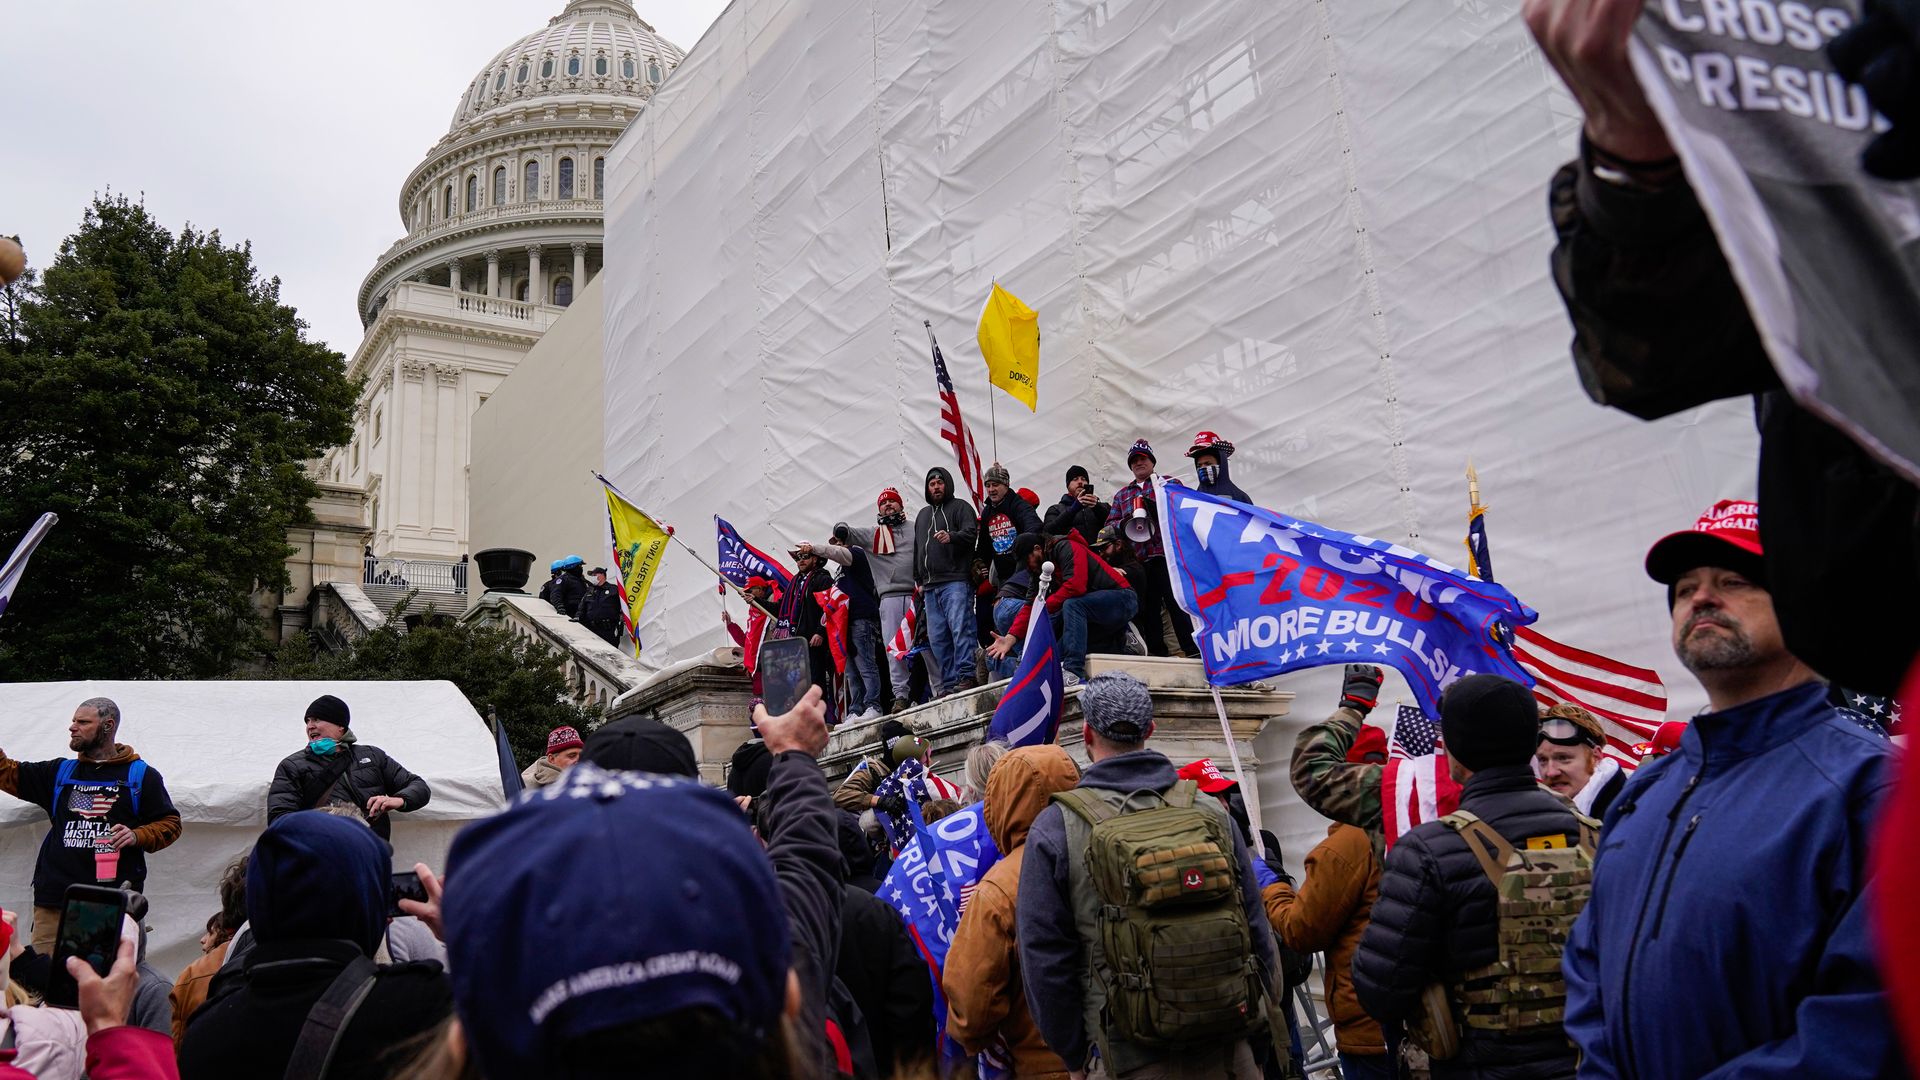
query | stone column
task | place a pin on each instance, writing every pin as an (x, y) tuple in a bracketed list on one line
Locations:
[(453, 275), (493, 271), (579, 267), (536, 289)]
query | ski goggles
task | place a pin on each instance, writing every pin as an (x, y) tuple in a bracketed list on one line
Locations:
[(1563, 732)]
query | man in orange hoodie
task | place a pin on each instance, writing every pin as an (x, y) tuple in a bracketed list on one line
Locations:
[(986, 1001), (1328, 913)]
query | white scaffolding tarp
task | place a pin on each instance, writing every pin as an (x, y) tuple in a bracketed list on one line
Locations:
[(216, 745), (1317, 229)]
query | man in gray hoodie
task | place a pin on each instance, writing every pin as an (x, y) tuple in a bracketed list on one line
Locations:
[(943, 541), (889, 548)]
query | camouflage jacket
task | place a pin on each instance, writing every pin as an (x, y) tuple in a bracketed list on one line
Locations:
[(1331, 785)]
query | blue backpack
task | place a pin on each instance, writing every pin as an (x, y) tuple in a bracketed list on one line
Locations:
[(63, 778)]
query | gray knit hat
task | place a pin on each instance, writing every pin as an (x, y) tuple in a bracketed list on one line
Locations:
[(997, 472), (1118, 706)]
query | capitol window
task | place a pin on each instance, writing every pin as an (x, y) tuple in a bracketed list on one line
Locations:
[(653, 71), (531, 192), (546, 68), (376, 425), (599, 178), (600, 65), (566, 178), (473, 193), (500, 185), (562, 291), (573, 64), (626, 68), (446, 206), (521, 75), (501, 82)]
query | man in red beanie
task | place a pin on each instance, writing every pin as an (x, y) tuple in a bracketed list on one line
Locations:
[(1727, 931), (889, 548), (563, 750)]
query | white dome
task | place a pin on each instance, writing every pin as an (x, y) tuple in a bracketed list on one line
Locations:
[(594, 48)]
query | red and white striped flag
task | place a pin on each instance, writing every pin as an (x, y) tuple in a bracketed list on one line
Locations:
[(901, 643), (1415, 784), (953, 426), (1630, 702)]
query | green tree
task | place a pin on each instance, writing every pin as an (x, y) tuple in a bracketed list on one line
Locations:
[(161, 399), (522, 682)]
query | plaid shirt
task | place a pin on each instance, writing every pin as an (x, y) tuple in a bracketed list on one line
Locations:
[(1124, 501)]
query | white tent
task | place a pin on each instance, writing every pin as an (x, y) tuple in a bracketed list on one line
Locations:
[(216, 745)]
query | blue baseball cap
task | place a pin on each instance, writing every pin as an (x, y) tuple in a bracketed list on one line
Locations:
[(606, 899)]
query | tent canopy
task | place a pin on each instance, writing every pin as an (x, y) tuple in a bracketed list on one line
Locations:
[(216, 744)]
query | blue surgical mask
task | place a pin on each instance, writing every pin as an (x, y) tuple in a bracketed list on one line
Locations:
[(323, 747)]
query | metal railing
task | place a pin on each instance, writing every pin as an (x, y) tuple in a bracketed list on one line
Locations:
[(427, 575)]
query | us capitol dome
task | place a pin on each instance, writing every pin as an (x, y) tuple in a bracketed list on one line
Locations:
[(503, 226), (509, 202)]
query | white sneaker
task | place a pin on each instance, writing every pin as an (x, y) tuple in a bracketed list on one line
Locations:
[(872, 713), (1068, 678)]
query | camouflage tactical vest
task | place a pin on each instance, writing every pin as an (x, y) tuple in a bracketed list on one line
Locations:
[(1541, 889)]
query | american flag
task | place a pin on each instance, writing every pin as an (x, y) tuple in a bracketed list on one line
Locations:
[(913, 781), (900, 645), (1415, 785), (953, 426), (92, 801), (1630, 702)]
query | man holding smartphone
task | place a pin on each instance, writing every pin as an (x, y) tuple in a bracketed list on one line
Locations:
[(108, 809)]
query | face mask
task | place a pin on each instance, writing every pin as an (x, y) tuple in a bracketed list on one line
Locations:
[(898, 517), (323, 747), (1209, 473)]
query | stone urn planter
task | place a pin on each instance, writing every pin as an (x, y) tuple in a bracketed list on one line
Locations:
[(504, 569)]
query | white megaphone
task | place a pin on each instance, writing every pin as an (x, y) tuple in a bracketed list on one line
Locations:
[(1140, 526)]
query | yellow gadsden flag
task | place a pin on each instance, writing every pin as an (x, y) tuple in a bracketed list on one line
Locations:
[(1010, 340), (638, 544)]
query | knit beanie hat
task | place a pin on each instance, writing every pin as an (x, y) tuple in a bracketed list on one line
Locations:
[(1489, 721), (997, 474), (1077, 471), (1118, 706), (1031, 497), (889, 493), (747, 772), (330, 709), (1140, 446), (562, 739)]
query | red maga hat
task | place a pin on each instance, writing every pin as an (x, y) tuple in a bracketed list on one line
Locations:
[(1202, 772), (1728, 535)]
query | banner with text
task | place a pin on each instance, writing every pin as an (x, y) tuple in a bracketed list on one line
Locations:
[(1272, 594), (1827, 257)]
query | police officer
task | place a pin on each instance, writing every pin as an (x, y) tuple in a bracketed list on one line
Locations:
[(599, 609)]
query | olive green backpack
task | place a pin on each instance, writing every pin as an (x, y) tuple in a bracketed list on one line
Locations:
[(1172, 924)]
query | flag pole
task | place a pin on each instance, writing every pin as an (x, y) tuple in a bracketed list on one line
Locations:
[(993, 416), (1233, 752)]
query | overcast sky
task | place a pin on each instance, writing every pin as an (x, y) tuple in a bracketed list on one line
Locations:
[(288, 124)]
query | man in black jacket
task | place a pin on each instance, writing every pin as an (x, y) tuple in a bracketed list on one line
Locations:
[(864, 656), (1004, 516), (337, 768), (319, 892), (943, 542), (599, 609), (1437, 915), (800, 610), (1078, 509)]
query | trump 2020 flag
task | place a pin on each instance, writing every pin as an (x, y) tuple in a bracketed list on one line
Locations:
[(16, 564), (740, 560), (1009, 336), (1274, 594), (930, 884), (1029, 712)]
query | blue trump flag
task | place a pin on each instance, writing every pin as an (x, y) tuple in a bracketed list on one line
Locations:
[(1274, 594), (930, 884), (1029, 711), (740, 560)]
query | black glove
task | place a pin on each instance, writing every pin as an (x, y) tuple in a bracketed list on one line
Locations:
[(895, 804), (1881, 52), (1361, 692)]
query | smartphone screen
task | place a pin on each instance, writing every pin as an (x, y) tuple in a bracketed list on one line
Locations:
[(785, 673), (406, 886), (90, 930)]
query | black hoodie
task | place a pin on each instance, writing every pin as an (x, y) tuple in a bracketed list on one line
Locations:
[(1000, 523), (937, 563), (1224, 486)]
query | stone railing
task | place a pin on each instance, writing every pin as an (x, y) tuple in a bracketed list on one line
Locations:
[(597, 672), (709, 698), (418, 297), (512, 213)]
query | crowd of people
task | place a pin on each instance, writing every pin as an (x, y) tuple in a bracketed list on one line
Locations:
[(1705, 911)]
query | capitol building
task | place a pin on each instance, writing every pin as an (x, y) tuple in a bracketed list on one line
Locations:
[(503, 231)]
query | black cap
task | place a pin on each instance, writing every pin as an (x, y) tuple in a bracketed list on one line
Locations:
[(330, 709), (747, 772), (1079, 471), (598, 570), (1488, 721), (642, 744)]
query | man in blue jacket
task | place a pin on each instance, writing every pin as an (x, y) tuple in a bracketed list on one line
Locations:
[(1727, 934)]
